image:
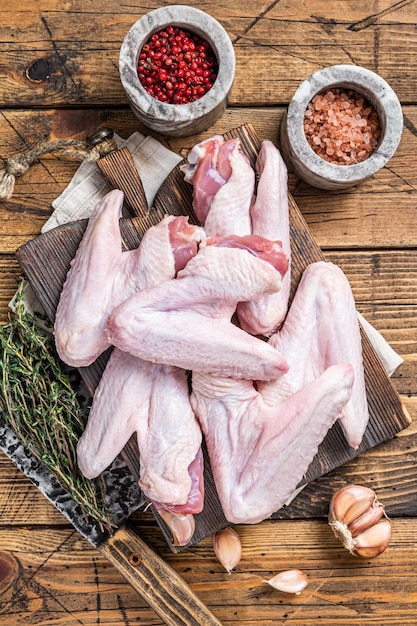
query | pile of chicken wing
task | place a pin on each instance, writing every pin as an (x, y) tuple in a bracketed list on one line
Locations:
[(205, 343)]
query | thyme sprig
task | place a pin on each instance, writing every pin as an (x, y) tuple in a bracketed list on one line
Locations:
[(38, 402)]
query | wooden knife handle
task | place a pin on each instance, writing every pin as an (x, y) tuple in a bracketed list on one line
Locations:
[(156, 581), (120, 171)]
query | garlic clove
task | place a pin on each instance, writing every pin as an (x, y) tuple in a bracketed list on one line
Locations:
[(359, 507), (374, 540), (350, 502), (290, 581), (182, 526), (367, 519), (227, 548)]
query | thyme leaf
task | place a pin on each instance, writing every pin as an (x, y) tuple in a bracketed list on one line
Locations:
[(38, 402)]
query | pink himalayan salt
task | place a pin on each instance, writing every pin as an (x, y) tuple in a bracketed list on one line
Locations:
[(341, 126)]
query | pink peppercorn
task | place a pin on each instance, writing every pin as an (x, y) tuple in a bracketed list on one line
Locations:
[(176, 66)]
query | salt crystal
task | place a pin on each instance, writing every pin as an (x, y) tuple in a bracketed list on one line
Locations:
[(317, 104), (335, 122)]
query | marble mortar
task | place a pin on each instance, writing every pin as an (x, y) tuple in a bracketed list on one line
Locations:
[(177, 119), (302, 159)]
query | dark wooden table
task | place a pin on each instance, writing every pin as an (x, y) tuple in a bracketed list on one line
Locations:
[(59, 79)]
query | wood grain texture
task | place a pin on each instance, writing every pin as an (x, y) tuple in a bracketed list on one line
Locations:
[(389, 468), (58, 65), (379, 213), (55, 573), (119, 169), (46, 65)]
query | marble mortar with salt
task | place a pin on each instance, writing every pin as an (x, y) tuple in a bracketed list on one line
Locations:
[(302, 159)]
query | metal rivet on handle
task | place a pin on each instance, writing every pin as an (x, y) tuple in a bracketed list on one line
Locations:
[(135, 559)]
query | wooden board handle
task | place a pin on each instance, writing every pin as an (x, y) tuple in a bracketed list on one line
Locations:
[(156, 581), (120, 171)]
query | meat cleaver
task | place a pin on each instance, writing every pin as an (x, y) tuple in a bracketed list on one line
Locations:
[(156, 581)]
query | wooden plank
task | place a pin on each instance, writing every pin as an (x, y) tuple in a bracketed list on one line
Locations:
[(44, 64), (383, 283), (391, 276), (53, 572), (288, 10), (60, 578), (21, 503), (10, 272), (379, 213), (46, 261)]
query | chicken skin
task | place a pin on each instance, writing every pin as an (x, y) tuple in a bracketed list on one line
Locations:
[(322, 329), (136, 396), (270, 219), (187, 322), (223, 185), (259, 453), (102, 275)]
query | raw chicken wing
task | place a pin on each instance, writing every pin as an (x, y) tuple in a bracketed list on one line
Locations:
[(322, 329), (270, 219), (136, 396), (187, 322), (102, 276), (260, 453), (223, 184)]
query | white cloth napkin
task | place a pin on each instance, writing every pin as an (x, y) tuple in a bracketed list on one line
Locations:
[(389, 358), (154, 163), (88, 187)]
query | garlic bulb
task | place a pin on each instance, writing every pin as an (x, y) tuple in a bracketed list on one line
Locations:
[(359, 521), (290, 581), (227, 547)]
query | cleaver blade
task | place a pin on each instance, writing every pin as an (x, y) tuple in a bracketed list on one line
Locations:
[(156, 581)]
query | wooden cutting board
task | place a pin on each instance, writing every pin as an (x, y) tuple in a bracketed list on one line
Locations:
[(46, 260)]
